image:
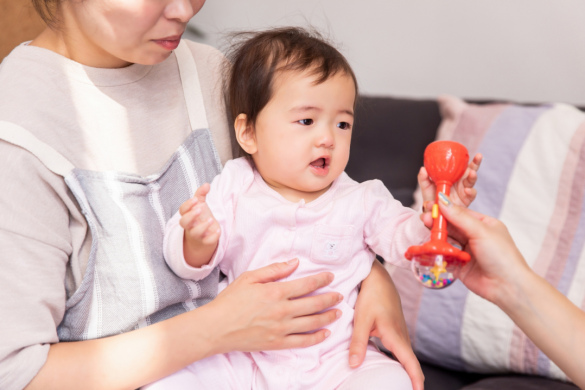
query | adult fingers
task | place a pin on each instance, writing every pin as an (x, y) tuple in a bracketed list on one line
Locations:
[(294, 288), (465, 220), (271, 272), (306, 285), (310, 323), (305, 340), (313, 304)]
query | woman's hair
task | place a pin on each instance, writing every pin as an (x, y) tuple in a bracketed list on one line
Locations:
[(256, 57), (46, 9)]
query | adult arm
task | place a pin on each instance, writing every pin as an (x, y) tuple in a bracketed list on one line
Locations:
[(251, 314), (499, 273)]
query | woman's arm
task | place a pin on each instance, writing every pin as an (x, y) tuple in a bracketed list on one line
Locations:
[(378, 313), (499, 273), (253, 313)]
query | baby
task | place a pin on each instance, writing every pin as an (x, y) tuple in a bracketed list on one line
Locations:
[(293, 97)]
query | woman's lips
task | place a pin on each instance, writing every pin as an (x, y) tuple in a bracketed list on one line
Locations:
[(169, 43)]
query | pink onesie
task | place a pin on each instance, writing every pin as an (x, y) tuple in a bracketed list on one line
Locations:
[(339, 232)]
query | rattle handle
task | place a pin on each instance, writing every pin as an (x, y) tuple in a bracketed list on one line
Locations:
[(439, 229)]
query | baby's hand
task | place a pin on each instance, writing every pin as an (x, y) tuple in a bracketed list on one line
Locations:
[(462, 192), (202, 231)]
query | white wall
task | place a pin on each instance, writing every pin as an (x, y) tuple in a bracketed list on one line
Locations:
[(525, 50)]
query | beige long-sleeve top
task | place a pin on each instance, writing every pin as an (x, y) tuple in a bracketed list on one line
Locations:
[(131, 120)]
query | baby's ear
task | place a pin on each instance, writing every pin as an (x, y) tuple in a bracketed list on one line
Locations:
[(245, 134)]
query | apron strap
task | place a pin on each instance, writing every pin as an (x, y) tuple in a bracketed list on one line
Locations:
[(19, 136), (191, 87)]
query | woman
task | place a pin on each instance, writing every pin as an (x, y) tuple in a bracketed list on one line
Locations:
[(102, 114), (499, 273)]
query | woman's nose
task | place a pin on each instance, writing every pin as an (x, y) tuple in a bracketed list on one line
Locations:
[(181, 10)]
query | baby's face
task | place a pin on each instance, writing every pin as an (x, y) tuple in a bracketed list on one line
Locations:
[(303, 134)]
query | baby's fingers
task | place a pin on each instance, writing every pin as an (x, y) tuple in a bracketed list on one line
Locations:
[(188, 205), (470, 194), (201, 229), (476, 162), (211, 235), (470, 177), (197, 198), (426, 185), (190, 218), (202, 191)]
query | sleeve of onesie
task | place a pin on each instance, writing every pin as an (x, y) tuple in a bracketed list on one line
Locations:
[(35, 245), (390, 228), (221, 199)]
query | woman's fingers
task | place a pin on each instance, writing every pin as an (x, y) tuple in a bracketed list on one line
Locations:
[(305, 340), (266, 314), (288, 289), (314, 304), (307, 324), (306, 285), (467, 221), (270, 273)]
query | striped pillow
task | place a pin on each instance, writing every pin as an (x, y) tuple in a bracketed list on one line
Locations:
[(533, 179)]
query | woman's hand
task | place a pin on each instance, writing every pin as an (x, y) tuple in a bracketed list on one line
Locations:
[(495, 260), (378, 313), (498, 272), (257, 313)]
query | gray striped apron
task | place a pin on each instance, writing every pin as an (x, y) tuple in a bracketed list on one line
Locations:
[(127, 284)]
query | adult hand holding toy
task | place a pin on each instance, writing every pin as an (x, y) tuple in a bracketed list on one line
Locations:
[(437, 263)]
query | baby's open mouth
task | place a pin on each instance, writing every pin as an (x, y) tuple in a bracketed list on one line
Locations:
[(319, 163)]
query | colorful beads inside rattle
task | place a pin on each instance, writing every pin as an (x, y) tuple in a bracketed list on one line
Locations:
[(434, 271)]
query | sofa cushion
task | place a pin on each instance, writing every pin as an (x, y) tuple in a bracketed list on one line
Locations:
[(388, 141), (519, 382), (533, 179)]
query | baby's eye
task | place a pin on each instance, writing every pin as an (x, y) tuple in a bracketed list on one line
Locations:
[(344, 125), (306, 122)]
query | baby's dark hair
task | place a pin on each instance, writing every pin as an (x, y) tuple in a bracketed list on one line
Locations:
[(256, 57)]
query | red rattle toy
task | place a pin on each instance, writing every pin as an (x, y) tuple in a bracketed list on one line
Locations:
[(437, 263)]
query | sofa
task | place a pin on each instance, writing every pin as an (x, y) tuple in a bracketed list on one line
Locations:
[(390, 135)]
